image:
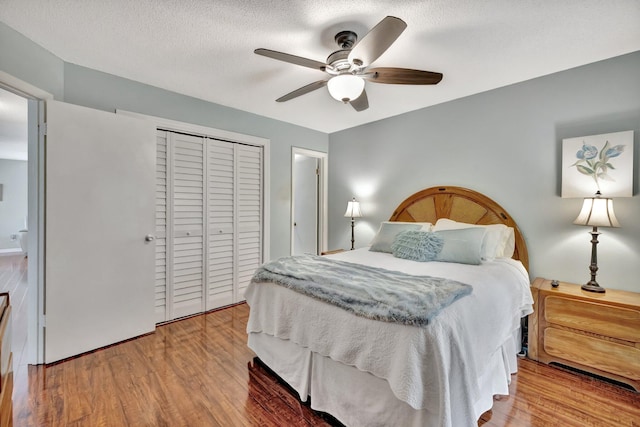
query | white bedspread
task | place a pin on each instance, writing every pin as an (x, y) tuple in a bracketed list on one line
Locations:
[(426, 367)]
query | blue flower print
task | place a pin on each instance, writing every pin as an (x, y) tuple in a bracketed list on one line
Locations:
[(614, 151), (597, 165), (587, 152)]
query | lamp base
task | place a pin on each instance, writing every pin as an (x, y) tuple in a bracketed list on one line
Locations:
[(593, 287)]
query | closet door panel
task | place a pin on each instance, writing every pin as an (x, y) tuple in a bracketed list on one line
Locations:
[(187, 182), (220, 213), (161, 227), (249, 217), (209, 203)]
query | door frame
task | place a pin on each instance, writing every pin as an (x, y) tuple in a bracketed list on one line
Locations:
[(36, 98), (322, 224)]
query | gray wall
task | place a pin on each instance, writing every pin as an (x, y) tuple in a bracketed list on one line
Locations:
[(29, 62), (505, 143), (13, 207)]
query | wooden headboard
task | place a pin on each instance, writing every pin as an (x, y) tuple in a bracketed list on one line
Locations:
[(459, 204)]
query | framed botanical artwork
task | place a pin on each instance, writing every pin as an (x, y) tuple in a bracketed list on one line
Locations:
[(598, 163)]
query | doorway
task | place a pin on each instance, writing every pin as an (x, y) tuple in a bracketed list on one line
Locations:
[(20, 118), (33, 303), (308, 201), (13, 217)]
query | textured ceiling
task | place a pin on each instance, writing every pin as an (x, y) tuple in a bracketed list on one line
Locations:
[(204, 48)]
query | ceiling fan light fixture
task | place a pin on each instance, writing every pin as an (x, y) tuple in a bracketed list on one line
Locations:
[(345, 87)]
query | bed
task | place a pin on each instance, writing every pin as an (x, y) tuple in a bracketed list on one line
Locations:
[(368, 372)]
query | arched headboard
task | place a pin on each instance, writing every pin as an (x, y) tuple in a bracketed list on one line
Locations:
[(459, 204)]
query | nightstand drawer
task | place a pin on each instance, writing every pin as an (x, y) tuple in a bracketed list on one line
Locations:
[(608, 356), (607, 320)]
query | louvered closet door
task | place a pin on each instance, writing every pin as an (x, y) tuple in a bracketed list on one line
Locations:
[(187, 221), (221, 229), (249, 191), (161, 228), (209, 207)]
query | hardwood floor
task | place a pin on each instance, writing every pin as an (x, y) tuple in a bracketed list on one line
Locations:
[(199, 372)]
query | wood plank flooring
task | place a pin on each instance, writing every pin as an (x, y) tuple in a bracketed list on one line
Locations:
[(199, 372)]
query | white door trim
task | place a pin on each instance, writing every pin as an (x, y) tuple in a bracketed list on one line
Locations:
[(323, 229), (23, 88)]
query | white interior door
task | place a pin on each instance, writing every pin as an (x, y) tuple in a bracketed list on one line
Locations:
[(100, 203), (305, 221)]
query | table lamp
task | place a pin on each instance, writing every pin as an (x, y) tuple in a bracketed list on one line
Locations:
[(596, 212)]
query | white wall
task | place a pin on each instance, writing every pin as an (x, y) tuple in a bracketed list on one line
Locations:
[(13, 207), (505, 143)]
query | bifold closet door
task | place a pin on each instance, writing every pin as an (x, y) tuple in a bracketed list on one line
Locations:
[(221, 212), (179, 275), (186, 225), (161, 227), (208, 223), (234, 212)]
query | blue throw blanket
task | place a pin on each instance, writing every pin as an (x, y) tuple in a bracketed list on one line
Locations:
[(371, 292)]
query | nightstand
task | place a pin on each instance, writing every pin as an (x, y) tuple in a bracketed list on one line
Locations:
[(334, 251), (592, 332)]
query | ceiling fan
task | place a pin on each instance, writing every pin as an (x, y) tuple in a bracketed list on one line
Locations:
[(349, 66)]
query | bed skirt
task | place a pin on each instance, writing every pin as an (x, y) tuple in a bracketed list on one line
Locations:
[(357, 398)]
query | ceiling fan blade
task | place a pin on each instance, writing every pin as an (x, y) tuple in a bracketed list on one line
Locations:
[(401, 76), (377, 41), (303, 90), (298, 60), (361, 103)]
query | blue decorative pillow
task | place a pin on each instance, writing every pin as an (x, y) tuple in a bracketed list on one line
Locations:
[(463, 246), (387, 233), (417, 245)]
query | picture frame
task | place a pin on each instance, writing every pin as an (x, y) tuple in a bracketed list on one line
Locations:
[(598, 163)]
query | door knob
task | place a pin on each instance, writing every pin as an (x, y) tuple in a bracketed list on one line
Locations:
[(149, 238)]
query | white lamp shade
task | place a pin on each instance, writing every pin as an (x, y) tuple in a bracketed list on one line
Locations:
[(353, 209), (345, 87), (597, 212)]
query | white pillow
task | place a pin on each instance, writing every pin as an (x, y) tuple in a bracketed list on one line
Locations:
[(495, 238), (510, 243), (426, 226)]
